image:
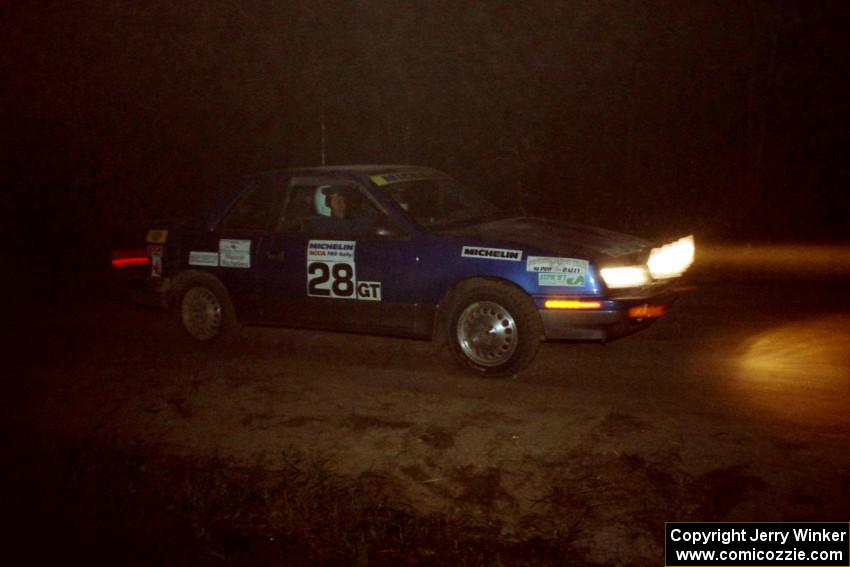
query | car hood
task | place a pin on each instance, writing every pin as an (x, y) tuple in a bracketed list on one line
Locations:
[(555, 237)]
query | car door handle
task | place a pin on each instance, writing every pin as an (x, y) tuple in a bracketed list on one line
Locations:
[(275, 256)]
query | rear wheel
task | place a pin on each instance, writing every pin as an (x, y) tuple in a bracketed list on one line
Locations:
[(494, 328), (204, 308)]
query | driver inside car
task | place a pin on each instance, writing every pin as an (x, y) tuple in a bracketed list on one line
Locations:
[(342, 212)]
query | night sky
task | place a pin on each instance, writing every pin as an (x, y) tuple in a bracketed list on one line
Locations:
[(726, 119)]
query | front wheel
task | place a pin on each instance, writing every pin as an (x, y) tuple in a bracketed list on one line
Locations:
[(494, 329)]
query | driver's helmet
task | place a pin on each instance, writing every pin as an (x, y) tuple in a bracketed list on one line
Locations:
[(320, 200), (323, 198)]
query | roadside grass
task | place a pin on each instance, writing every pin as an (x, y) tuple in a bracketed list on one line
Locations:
[(113, 504)]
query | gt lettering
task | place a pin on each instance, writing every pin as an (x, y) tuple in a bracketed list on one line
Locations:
[(369, 290)]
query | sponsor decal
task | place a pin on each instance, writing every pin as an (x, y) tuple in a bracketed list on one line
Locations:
[(234, 253), (561, 280), (491, 253), (388, 178), (157, 236), (331, 272), (330, 269), (370, 291), (545, 264), (155, 252), (203, 258), (331, 250)]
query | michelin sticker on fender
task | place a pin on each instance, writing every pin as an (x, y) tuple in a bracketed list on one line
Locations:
[(491, 253)]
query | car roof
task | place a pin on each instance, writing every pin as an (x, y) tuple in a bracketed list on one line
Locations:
[(354, 169), (212, 213)]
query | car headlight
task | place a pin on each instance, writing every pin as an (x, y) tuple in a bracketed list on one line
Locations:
[(624, 276), (671, 260)]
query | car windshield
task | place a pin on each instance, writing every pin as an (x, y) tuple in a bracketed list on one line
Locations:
[(438, 202)]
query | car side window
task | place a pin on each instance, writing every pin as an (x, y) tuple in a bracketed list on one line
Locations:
[(332, 210), (300, 206), (258, 207)]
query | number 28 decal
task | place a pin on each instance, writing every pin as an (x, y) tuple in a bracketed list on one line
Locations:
[(336, 280), (330, 272), (330, 279)]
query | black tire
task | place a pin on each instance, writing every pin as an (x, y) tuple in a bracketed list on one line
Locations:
[(203, 307), (493, 328)]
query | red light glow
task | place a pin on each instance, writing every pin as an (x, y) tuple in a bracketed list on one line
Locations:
[(126, 258), (135, 261)]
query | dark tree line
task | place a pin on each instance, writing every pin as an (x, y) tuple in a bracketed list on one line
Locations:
[(727, 118)]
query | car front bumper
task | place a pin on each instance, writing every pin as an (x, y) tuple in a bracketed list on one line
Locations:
[(611, 320)]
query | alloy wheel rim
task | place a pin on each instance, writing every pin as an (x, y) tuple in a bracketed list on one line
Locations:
[(201, 313), (487, 333)]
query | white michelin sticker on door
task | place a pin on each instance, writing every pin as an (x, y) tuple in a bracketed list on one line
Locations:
[(234, 253), (548, 264), (331, 250), (491, 253), (203, 258), (330, 269), (560, 279)]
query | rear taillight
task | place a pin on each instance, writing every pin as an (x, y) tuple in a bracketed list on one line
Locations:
[(126, 258)]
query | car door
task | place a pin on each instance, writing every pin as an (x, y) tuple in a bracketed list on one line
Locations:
[(233, 250), (349, 276)]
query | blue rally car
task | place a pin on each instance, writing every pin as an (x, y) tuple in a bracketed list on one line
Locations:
[(406, 251)]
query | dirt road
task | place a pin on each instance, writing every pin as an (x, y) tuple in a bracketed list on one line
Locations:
[(731, 408)]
